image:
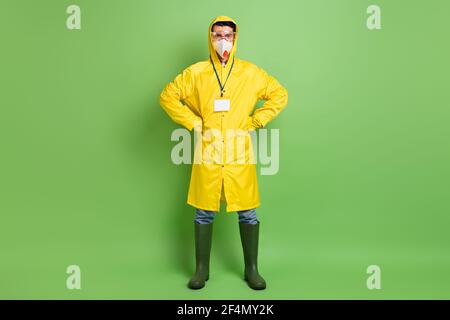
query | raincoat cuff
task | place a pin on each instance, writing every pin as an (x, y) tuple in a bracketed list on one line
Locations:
[(250, 125), (197, 124)]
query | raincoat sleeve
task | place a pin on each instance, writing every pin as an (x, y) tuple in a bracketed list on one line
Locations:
[(276, 97), (171, 100)]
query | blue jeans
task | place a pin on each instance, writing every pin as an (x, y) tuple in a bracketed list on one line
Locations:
[(206, 216)]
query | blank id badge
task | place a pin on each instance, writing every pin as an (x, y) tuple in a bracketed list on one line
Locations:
[(221, 104)]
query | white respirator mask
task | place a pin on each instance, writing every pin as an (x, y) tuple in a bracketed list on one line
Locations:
[(223, 47)]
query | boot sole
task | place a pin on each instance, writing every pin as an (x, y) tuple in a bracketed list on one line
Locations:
[(254, 288), (196, 288)]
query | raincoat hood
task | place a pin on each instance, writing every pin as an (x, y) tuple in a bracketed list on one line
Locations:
[(212, 50)]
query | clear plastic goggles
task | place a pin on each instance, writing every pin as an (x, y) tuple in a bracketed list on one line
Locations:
[(229, 36)]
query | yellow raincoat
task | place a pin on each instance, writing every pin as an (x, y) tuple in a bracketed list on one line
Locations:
[(225, 171)]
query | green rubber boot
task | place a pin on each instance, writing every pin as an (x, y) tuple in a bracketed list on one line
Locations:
[(203, 236), (249, 239)]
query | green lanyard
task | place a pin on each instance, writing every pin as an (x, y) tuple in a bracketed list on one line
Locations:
[(222, 88)]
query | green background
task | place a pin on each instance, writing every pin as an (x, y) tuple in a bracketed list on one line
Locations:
[(87, 179)]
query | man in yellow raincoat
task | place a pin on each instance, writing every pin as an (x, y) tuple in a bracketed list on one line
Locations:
[(216, 98)]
